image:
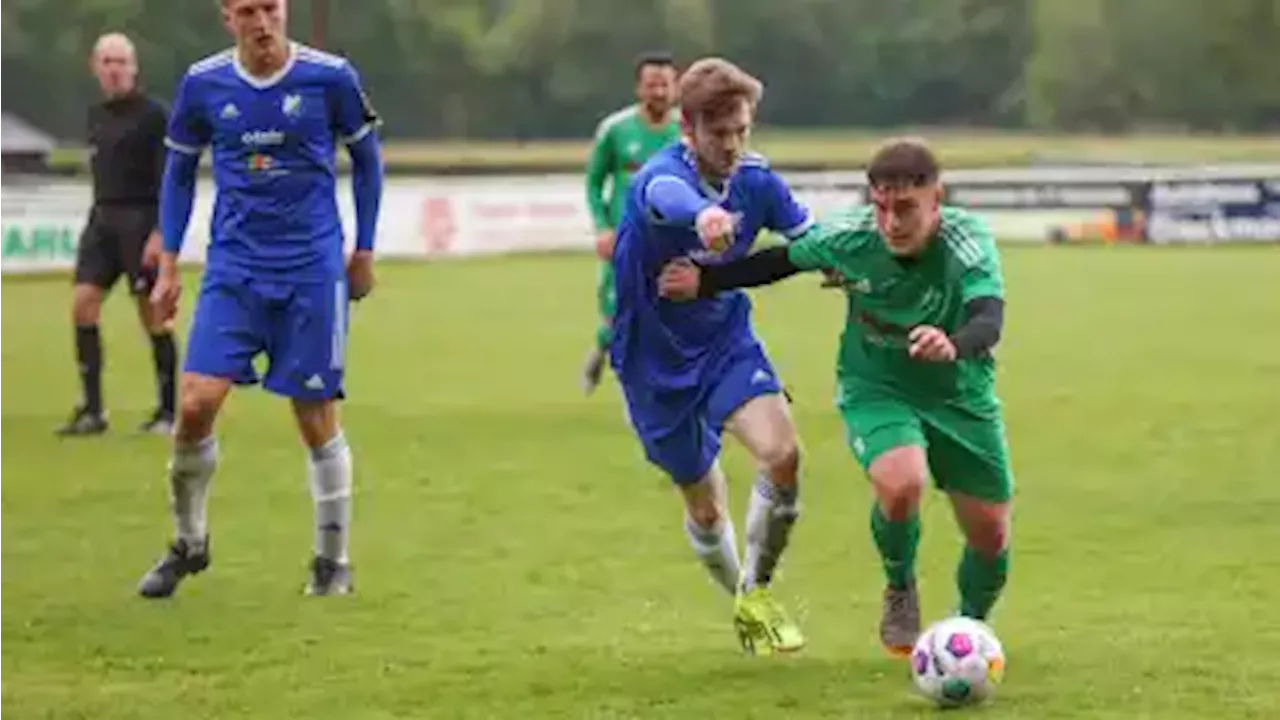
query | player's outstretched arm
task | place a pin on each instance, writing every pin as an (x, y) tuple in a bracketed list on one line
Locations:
[(671, 201), (762, 268), (682, 279)]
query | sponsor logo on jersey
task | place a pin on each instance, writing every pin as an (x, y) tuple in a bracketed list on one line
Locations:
[(261, 138)]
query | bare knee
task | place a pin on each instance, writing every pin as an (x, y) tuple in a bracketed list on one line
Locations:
[(317, 421), (780, 459), (86, 305), (899, 477), (199, 399)]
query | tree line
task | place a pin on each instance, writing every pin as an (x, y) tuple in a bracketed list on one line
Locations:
[(552, 68)]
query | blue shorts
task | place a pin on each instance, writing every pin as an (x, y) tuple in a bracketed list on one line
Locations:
[(302, 328), (680, 430)]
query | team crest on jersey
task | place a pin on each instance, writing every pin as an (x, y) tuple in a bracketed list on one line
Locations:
[(291, 106)]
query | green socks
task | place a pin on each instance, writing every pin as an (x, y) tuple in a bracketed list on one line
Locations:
[(980, 580), (897, 542)]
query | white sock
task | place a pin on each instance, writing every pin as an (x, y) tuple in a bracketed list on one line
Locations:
[(190, 470), (717, 548), (771, 513), (330, 473)]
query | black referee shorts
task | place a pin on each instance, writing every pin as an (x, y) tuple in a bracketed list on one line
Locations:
[(112, 245)]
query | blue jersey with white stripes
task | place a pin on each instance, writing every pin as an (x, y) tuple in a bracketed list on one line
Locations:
[(678, 345), (273, 143)]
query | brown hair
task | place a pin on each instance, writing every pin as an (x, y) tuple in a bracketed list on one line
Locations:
[(905, 162), (713, 87)]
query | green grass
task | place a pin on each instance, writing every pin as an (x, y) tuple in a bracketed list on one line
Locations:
[(840, 149), (517, 558)]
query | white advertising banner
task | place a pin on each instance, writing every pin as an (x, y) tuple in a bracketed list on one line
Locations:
[(450, 217)]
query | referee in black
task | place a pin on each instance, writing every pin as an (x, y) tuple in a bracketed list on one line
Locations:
[(126, 141)]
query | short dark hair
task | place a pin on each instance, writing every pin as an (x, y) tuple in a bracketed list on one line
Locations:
[(713, 87), (654, 58), (903, 162)]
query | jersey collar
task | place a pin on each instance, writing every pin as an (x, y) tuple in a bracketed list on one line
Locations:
[(266, 82)]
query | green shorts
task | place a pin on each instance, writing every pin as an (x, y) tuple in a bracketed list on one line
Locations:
[(967, 451)]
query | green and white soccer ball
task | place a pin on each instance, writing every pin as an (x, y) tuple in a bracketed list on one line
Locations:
[(957, 661)]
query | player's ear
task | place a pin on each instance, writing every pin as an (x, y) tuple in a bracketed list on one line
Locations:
[(686, 126), (938, 194)]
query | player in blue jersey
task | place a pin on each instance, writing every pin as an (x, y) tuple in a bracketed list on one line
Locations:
[(272, 112), (691, 371)]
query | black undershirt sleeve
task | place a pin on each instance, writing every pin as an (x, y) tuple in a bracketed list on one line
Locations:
[(761, 268), (981, 329)]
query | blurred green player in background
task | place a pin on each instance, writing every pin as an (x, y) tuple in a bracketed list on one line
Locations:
[(915, 375), (624, 141)]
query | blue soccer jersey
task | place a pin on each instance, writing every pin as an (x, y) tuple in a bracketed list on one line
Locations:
[(273, 143), (685, 367), (275, 280)]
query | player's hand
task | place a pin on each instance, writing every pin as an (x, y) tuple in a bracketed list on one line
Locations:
[(931, 344), (151, 251), (604, 244), (831, 279), (715, 228), (360, 274), (167, 290), (680, 280)]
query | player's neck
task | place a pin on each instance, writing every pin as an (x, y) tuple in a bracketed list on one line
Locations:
[(265, 64), (651, 119)]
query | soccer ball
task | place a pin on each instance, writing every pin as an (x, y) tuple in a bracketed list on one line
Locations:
[(957, 661)]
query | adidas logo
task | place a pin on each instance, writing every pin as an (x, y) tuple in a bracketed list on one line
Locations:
[(229, 112), (760, 376), (314, 383)]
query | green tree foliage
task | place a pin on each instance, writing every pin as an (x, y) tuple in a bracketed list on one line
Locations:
[(552, 68)]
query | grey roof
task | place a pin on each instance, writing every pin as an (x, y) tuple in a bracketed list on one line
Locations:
[(19, 136)]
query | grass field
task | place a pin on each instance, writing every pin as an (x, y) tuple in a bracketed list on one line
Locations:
[(843, 149), (517, 558)]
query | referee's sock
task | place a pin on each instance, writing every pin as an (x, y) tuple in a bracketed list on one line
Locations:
[(165, 354), (89, 358)]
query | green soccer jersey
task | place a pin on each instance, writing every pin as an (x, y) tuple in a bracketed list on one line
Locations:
[(624, 142), (888, 296)]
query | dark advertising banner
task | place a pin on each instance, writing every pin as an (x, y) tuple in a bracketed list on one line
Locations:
[(1163, 206), (1226, 210)]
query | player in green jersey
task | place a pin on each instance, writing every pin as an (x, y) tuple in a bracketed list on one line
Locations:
[(915, 375), (624, 141)]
